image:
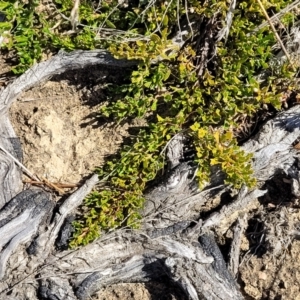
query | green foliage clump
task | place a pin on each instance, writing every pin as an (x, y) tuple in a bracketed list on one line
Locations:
[(171, 95), (22, 32), (167, 87)]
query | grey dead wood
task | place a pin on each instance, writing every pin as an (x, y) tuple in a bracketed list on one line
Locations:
[(223, 34), (234, 254), (173, 242), (242, 201)]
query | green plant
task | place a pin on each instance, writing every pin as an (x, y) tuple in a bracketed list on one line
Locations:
[(20, 32), (205, 107), (167, 88)]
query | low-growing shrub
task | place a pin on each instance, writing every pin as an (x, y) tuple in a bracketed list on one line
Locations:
[(200, 87)]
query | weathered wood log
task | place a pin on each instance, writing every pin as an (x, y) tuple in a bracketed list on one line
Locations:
[(173, 241)]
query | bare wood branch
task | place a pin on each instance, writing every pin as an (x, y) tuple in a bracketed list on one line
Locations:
[(240, 204), (223, 34), (74, 16), (45, 243), (234, 253)]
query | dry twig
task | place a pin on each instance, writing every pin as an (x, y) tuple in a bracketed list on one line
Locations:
[(74, 18), (53, 186), (58, 184)]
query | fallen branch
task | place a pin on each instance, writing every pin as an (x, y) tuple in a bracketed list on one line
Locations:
[(57, 64)]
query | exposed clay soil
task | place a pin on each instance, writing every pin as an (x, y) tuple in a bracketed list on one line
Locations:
[(63, 141)]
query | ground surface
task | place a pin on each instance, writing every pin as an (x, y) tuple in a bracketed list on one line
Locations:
[(63, 141), (140, 291), (270, 266), (57, 122)]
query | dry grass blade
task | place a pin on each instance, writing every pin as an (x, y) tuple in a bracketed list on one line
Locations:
[(279, 15), (275, 32), (30, 174)]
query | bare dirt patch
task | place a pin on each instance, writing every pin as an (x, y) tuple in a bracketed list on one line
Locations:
[(270, 268), (49, 122), (123, 291), (140, 291), (58, 128), (273, 276)]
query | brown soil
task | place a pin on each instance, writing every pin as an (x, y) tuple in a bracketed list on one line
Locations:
[(136, 291), (273, 277), (59, 130), (140, 291), (270, 268), (49, 120)]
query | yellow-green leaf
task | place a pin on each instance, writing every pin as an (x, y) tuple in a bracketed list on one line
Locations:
[(159, 118), (110, 24), (201, 133), (214, 161), (217, 136), (165, 20), (155, 38)]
